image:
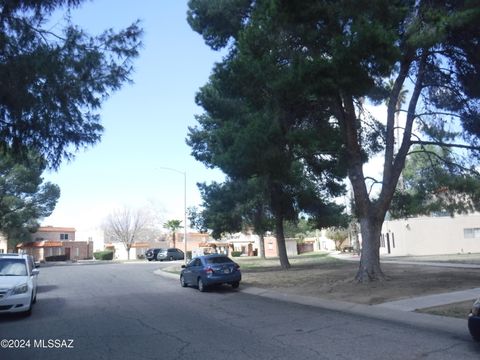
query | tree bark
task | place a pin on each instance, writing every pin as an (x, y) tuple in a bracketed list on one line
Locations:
[(369, 269), (282, 249), (261, 246)]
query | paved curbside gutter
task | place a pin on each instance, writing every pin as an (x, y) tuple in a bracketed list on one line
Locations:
[(457, 327)]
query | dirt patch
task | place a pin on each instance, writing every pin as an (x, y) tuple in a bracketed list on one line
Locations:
[(458, 310), (333, 279)]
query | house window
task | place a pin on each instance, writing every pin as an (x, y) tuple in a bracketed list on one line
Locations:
[(471, 233), (63, 236)]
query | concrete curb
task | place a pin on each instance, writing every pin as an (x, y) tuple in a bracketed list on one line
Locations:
[(457, 327), (167, 274), (454, 326)]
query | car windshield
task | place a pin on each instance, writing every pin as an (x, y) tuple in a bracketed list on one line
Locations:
[(13, 267), (219, 260)]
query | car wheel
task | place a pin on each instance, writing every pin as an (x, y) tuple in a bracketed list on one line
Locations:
[(28, 312), (34, 299), (201, 285), (474, 327), (182, 281), (235, 284)]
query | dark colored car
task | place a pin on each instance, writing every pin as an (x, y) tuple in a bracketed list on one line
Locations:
[(207, 270), (474, 320), (151, 254), (170, 254)]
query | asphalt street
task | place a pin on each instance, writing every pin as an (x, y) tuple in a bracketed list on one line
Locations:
[(125, 311)]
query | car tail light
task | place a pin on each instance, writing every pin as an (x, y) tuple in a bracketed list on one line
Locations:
[(209, 271)]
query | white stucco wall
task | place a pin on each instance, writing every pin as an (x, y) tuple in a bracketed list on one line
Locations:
[(431, 235), (3, 245)]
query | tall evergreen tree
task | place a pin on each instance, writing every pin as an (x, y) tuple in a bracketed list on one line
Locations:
[(52, 84), (24, 197), (255, 136), (327, 60)]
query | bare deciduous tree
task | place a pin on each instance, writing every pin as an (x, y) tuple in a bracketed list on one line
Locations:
[(126, 226)]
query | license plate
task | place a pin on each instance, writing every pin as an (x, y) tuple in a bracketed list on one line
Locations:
[(226, 271)]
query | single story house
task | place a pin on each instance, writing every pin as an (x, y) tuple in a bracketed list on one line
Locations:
[(431, 235)]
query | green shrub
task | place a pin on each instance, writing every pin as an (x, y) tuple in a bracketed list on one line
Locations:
[(56, 258), (103, 255), (236, 253)]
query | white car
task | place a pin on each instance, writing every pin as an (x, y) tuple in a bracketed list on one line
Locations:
[(18, 283)]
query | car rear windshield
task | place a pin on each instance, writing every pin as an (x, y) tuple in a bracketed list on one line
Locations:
[(13, 267), (219, 260)]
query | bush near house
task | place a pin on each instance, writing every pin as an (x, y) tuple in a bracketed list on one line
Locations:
[(103, 255), (56, 258), (236, 253)]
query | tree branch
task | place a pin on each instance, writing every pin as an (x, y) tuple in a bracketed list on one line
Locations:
[(439, 143)]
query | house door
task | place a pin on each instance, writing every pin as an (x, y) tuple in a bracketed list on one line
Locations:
[(67, 253), (388, 243)]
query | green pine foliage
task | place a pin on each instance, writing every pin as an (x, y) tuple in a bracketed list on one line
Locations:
[(53, 83)]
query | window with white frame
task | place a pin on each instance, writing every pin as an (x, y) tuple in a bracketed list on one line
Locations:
[(63, 236)]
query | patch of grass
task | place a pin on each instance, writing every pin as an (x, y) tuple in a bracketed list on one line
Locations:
[(457, 310), (304, 260), (465, 258)]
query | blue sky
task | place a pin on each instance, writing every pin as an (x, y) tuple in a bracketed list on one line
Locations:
[(145, 122)]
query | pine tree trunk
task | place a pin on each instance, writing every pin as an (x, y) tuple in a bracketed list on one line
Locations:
[(370, 269), (261, 246), (282, 248)]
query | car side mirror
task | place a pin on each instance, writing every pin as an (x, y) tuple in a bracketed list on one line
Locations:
[(35, 272)]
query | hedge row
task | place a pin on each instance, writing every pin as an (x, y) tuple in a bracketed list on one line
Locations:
[(103, 255), (56, 258)]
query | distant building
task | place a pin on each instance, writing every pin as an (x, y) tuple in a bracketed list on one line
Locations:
[(3, 244), (54, 233), (50, 241)]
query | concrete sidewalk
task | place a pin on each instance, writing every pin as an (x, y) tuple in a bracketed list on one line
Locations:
[(422, 302), (445, 264)]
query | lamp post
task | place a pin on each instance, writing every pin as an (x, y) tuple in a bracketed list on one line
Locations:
[(184, 173)]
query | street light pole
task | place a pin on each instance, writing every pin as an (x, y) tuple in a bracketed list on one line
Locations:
[(184, 173)]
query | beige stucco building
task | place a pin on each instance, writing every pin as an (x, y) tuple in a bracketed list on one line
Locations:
[(51, 241), (431, 235)]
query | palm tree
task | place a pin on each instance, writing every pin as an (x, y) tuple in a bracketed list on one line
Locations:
[(173, 226)]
